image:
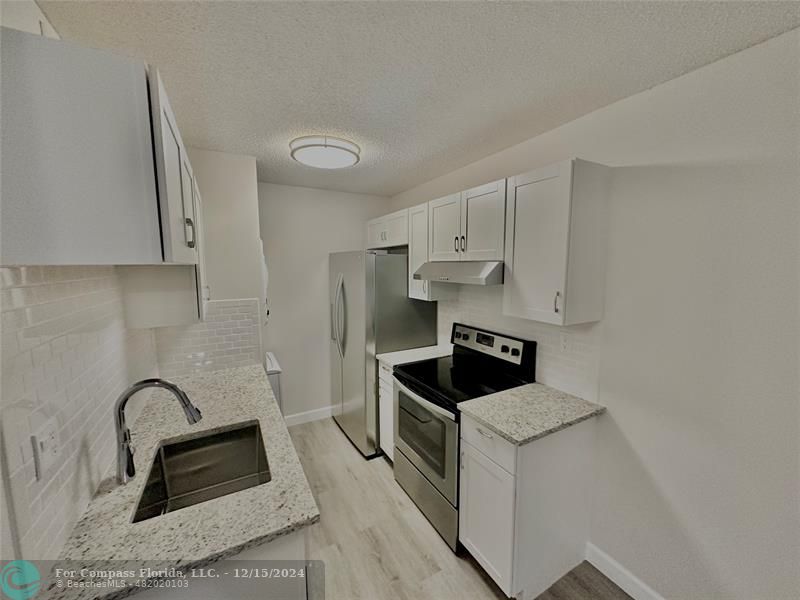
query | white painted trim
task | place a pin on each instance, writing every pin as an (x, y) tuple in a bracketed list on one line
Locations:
[(308, 416), (632, 585)]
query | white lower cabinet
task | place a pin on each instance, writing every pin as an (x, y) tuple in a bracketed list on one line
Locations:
[(386, 410), (217, 580), (485, 531), (527, 526)]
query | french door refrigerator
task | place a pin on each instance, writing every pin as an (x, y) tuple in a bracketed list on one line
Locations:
[(370, 313)]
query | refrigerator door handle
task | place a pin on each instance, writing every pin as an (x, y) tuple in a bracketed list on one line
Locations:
[(335, 316), (343, 332)]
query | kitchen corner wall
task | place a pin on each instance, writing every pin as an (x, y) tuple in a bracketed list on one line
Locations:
[(697, 459), (67, 355), (300, 228)]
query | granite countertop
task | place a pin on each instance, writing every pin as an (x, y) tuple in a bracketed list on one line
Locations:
[(402, 357), (201, 534), (529, 412)]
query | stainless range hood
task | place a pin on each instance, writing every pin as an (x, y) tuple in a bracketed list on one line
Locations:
[(477, 272)]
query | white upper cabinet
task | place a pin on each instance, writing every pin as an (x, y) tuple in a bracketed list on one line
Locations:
[(418, 251), (172, 294), (469, 225), (81, 133), (77, 160), (444, 228), (174, 180), (375, 233), (556, 236), (203, 289), (388, 230), (483, 215)]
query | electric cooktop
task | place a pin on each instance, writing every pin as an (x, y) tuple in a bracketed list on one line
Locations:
[(482, 363)]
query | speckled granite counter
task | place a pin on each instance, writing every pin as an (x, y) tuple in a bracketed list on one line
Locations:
[(212, 530), (529, 412)]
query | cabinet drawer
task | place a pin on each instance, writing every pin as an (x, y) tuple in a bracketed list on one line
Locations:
[(501, 451)]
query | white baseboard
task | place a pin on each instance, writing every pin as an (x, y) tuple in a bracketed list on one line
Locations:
[(631, 585), (308, 416)]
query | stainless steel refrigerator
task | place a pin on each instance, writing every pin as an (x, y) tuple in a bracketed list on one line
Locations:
[(370, 313)]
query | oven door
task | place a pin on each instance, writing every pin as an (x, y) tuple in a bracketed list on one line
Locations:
[(427, 435)]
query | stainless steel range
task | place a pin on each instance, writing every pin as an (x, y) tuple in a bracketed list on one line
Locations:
[(426, 398)]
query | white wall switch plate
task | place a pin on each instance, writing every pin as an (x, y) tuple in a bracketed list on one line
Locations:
[(46, 446), (564, 341)]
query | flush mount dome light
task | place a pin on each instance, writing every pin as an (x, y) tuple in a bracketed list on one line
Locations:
[(324, 152)]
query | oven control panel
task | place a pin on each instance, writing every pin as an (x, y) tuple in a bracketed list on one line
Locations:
[(493, 344)]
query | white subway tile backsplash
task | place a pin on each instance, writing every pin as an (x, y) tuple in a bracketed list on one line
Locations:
[(65, 353), (573, 370), (229, 337)]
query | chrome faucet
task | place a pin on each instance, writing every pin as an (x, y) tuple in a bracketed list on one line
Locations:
[(125, 468)]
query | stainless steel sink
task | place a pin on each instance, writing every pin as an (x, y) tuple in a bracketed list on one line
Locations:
[(204, 467)]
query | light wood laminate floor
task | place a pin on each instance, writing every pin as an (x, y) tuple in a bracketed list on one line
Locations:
[(377, 545)]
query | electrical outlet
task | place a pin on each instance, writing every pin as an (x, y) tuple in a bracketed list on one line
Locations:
[(564, 341), (46, 446)]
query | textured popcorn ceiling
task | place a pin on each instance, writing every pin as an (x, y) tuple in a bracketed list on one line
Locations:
[(423, 88)]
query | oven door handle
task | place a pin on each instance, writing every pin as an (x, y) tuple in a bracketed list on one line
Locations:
[(442, 412)]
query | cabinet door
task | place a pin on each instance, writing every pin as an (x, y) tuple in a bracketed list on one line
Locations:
[(78, 186), (537, 239), (444, 228), (483, 216), (396, 227), (486, 514), (203, 289), (188, 202), (386, 419), (376, 231), (418, 251), (172, 173)]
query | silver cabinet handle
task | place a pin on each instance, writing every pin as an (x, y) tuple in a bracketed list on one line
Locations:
[(424, 286), (555, 302), (191, 243), (484, 433), (455, 243), (463, 243)]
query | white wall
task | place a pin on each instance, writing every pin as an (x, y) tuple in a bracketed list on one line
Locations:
[(698, 459), (301, 227), (229, 191)]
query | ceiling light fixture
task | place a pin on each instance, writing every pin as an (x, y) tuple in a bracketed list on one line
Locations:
[(324, 152)]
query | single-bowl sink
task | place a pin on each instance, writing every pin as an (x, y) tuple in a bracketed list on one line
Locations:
[(202, 468)]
